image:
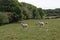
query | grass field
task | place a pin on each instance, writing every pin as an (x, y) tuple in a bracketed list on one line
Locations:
[(34, 32)]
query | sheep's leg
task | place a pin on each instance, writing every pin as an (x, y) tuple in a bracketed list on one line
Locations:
[(41, 25)]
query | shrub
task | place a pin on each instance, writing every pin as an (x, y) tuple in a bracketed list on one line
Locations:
[(3, 18)]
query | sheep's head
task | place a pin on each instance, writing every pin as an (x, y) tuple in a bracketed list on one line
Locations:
[(21, 23)]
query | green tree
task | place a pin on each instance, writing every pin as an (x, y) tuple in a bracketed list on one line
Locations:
[(11, 6), (3, 18), (30, 10), (41, 13)]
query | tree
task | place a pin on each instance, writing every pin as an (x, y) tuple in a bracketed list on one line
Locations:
[(3, 18), (35, 13), (41, 13), (30, 11), (11, 6)]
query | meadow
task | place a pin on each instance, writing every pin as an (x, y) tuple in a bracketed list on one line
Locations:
[(14, 31)]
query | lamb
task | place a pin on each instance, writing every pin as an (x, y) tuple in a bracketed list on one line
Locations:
[(24, 25), (41, 23)]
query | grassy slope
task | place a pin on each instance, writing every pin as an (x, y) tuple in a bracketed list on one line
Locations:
[(16, 32)]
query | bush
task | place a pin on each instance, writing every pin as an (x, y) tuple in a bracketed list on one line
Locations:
[(13, 17), (3, 18)]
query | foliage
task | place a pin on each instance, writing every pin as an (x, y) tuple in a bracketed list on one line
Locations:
[(10, 6), (41, 13), (29, 10), (3, 18), (13, 17), (53, 12), (17, 11)]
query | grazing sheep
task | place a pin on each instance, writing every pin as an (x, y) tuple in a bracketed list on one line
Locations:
[(24, 25), (41, 23)]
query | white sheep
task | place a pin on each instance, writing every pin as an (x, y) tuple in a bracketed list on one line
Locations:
[(24, 25), (41, 24)]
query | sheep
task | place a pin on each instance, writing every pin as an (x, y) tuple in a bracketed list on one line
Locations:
[(41, 23), (24, 25)]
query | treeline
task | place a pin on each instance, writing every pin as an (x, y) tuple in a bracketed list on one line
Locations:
[(13, 11), (31, 12), (53, 12)]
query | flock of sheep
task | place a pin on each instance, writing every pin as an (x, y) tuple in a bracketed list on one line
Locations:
[(40, 23)]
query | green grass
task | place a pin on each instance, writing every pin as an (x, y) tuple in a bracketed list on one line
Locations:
[(34, 32)]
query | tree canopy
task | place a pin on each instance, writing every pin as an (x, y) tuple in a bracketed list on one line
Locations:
[(16, 11)]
